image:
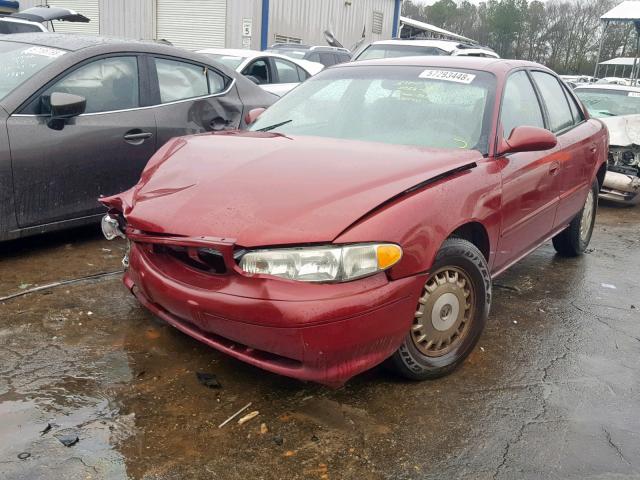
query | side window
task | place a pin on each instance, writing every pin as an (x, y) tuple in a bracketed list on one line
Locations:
[(287, 71), (302, 74), (327, 59), (555, 100), (314, 57), (576, 111), (519, 105), (343, 57), (180, 80), (217, 82), (259, 70), (108, 84)]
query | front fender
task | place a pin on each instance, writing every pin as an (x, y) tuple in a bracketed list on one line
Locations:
[(422, 220)]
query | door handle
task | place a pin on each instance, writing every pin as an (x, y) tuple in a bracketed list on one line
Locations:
[(137, 135), (554, 168)]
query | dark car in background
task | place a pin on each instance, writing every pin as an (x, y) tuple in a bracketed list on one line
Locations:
[(320, 54), (81, 116)]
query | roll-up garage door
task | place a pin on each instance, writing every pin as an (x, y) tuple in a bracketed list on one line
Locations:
[(192, 24), (88, 8)]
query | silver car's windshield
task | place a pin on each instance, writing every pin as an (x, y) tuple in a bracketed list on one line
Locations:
[(609, 102), (20, 61), (422, 106)]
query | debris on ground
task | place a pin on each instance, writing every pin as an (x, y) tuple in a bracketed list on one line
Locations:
[(249, 416), (507, 287), (278, 440), (234, 415), (68, 440), (46, 429), (263, 428), (208, 380), (24, 455), (608, 285)]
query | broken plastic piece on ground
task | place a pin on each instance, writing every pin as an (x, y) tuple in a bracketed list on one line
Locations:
[(248, 417), (46, 429), (234, 415), (68, 440), (608, 285), (208, 380)]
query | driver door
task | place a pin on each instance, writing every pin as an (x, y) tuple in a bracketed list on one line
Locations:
[(59, 175)]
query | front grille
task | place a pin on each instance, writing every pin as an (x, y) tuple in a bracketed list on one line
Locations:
[(204, 259)]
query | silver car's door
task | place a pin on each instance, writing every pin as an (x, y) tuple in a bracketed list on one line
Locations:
[(59, 174)]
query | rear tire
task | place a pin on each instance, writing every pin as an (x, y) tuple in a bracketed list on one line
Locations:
[(574, 239), (451, 313)]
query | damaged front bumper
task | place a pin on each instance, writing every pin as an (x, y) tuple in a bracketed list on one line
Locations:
[(621, 188), (325, 333)]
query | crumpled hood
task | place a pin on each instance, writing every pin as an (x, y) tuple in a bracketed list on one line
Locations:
[(268, 189), (624, 130)]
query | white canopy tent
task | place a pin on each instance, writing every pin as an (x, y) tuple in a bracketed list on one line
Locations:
[(626, 12), (625, 64)]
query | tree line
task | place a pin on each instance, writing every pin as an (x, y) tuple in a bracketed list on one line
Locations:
[(562, 34)]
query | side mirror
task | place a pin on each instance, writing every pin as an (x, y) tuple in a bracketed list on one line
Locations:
[(63, 107), (253, 115), (527, 139)]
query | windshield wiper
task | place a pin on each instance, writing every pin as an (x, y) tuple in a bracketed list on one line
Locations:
[(274, 126)]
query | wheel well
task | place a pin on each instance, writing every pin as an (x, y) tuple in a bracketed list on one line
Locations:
[(600, 175), (475, 233)]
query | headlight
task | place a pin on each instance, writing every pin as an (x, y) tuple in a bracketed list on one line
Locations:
[(322, 264)]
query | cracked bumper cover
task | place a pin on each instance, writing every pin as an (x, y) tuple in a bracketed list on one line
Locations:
[(347, 329)]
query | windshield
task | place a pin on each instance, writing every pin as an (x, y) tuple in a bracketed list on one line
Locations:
[(609, 103), (390, 51), (428, 107), (19, 62), (231, 61)]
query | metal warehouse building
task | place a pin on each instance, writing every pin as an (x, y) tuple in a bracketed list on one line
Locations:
[(253, 24)]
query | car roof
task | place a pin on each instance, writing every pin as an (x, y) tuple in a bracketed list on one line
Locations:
[(70, 42), (607, 86), (446, 45), (494, 65)]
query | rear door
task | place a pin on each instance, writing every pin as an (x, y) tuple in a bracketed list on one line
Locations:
[(59, 175), (576, 149), (192, 98), (530, 180)]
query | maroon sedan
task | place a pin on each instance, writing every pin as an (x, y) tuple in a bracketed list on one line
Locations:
[(364, 215)]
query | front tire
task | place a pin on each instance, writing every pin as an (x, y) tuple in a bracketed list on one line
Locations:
[(574, 239), (450, 315)]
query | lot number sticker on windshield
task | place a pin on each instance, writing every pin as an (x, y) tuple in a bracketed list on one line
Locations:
[(45, 52), (634, 94), (448, 75)]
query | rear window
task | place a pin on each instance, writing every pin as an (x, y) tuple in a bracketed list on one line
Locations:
[(390, 51)]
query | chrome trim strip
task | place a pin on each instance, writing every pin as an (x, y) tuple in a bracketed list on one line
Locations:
[(219, 94)]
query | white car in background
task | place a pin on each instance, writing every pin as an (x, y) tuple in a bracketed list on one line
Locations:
[(413, 48), (34, 19), (274, 73), (618, 107)]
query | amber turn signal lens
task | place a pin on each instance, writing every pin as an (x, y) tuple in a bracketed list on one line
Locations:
[(388, 255)]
